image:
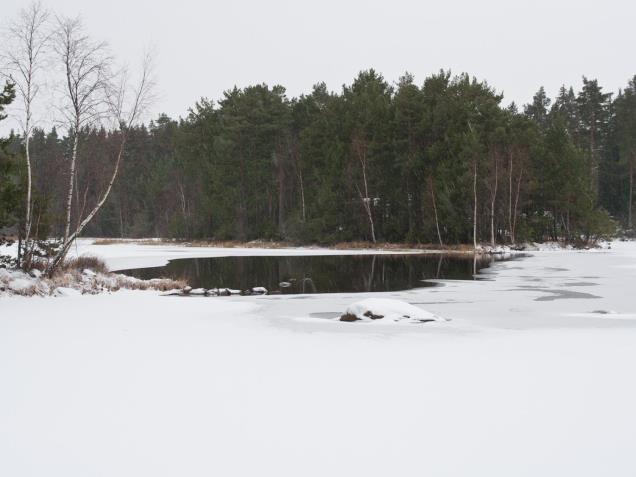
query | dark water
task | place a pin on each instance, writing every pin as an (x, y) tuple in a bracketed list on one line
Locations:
[(318, 274)]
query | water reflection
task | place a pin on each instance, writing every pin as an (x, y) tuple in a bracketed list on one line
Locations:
[(319, 274)]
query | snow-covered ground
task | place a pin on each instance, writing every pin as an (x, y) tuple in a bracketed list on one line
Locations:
[(127, 255), (532, 375)]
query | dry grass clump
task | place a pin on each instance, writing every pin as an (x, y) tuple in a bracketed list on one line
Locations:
[(159, 284), (93, 283), (116, 241), (107, 241), (84, 262)]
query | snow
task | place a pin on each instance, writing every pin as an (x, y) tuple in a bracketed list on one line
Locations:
[(20, 284), (258, 290), (128, 255), (17, 282), (383, 310), (527, 378), (66, 291)]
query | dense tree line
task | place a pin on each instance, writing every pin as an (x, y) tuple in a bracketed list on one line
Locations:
[(441, 162)]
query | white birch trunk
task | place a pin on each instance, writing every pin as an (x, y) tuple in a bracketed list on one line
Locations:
[(475, 205), (71, 184), (492, 205)]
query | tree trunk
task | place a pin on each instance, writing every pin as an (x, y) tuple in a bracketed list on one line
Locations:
[(493, 198), (184, 209), (514, 213), (66, 245), (281, 197), (302, 194), (439, 235), (475, 205), (71, 183), (510, 226), (367, 206), (631, 194), (366, 200), (27, 222)]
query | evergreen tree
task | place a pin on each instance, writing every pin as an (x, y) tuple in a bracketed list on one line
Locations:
[(593, 108), (626, 140)]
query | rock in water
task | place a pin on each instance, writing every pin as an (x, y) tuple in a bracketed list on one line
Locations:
[(386, 310), (256, 291)]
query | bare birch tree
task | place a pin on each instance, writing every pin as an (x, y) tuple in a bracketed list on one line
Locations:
[(493, 186), (126, 105), (86, 66), (360, 151), (475, 203), (431, 186), (631, 189), (27, 42), (296, 160), (515, 158)]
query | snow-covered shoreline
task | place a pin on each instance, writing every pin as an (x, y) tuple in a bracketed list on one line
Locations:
[(531, 376), (126, 255)]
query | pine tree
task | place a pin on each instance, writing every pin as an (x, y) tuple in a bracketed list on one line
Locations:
[(593, 107)]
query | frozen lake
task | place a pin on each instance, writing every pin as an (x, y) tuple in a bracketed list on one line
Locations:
[(534, 367)]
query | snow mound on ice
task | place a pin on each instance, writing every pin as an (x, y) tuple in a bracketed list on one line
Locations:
[(373, 309), (66, 291)]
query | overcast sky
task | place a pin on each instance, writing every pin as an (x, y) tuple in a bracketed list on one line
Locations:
[(205, 47)]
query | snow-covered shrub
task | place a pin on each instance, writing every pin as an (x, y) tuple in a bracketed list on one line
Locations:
[(80, 281)]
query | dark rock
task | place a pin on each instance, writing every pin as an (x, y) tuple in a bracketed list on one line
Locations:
[(349, 317)]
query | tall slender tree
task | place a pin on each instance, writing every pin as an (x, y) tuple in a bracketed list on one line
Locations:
[(27, 48)]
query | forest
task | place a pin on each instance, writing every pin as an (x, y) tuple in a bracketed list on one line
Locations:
[(442, 162)]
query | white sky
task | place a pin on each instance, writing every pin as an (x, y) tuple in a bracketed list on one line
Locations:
[(203, 48)]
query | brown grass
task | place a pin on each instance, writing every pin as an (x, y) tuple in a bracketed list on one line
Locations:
[(359, 245), (160, 284), (82, 263), (199, 243)]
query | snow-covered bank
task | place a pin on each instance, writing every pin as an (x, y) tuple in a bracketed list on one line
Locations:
[(122, 256), (529, 377), (76, 281)]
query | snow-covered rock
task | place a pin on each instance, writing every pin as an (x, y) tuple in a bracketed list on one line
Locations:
[(384, 309), (19, 285), (198, 291), (257, 291)]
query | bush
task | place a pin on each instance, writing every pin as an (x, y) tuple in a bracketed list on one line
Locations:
[(82, 263)]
